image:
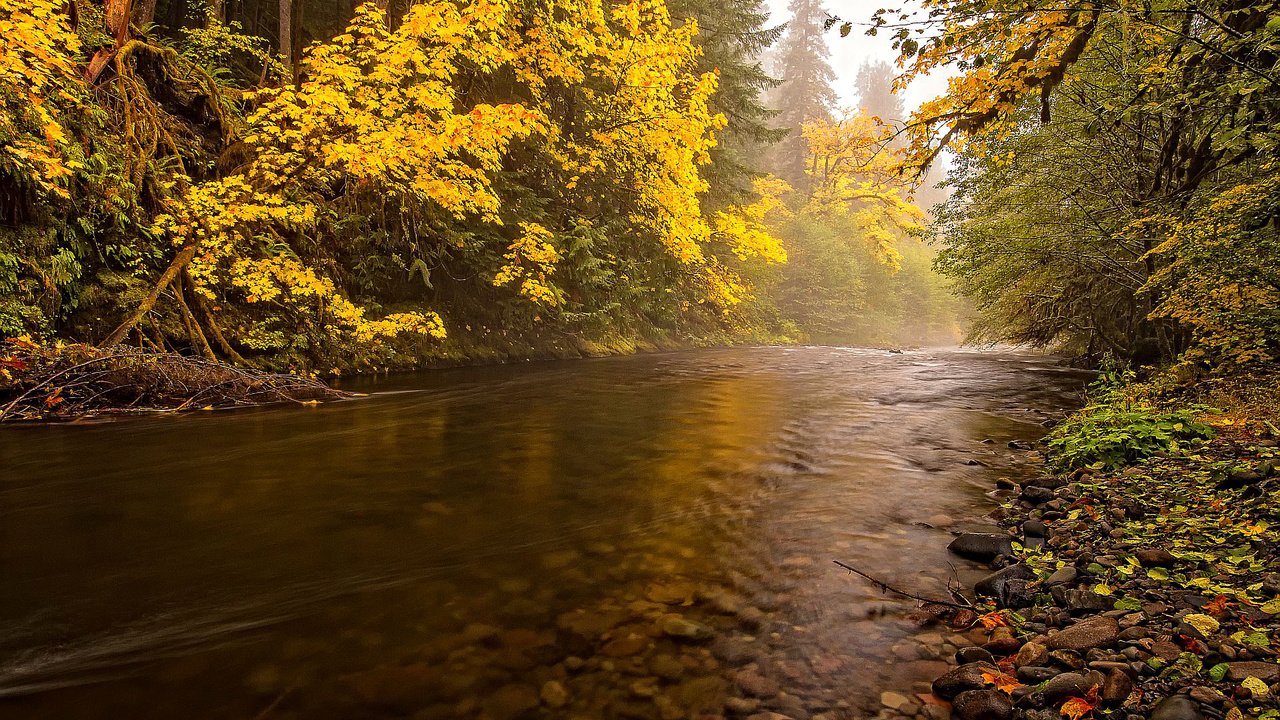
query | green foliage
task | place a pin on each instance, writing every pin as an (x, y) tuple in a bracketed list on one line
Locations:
[(1114, 431)]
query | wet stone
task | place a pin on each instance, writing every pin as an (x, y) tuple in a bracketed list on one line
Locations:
[(973, 654), (960, 679), (752, 682), (1035, 674), (1177, 707), (554, 694), (1086, 634), (893, 700), (1031, 653), (983, 547), (679, 627), (982, 705), (666, 667)]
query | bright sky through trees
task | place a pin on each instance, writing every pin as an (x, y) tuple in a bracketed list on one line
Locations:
[(850, 53)]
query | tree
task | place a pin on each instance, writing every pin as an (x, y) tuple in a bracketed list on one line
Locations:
[(733, 35), (805, 93), (876, 96)]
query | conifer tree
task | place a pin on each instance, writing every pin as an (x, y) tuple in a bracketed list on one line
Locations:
[(805, 93), (733, 36), (874, 84)]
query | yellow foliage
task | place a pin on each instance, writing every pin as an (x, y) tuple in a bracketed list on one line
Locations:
[(530, 260), (38, 81), (854, 173)]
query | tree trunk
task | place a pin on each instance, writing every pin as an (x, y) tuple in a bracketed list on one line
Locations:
[(285, 33), (144, 11), (180, 261)]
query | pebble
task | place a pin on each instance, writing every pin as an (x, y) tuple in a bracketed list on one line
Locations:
[(1176, 707), (1086, 634), (554, 694), (1206, 695), (1031, 653), (960, 679), (1267, 672), (982, 705), (752, 682), (983, 547), (893, 700)]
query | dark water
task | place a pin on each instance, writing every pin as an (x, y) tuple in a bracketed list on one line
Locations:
[(451, 545)]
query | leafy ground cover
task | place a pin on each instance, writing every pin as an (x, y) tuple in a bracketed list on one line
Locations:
[(1145, 577)]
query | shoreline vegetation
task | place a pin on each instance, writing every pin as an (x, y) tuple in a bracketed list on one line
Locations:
[(1136, 575)]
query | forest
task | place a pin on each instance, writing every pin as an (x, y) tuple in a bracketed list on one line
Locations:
[(966, 407), (328, 187)]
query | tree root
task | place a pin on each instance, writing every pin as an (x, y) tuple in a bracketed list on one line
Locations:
[(75, 381)]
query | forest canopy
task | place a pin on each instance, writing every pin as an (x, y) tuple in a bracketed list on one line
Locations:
[(351, 185)]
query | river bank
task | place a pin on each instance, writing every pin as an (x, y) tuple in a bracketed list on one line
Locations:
[(1139, 584), (59, 382)]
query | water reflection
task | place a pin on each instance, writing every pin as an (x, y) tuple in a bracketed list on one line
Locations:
[(642, 537)]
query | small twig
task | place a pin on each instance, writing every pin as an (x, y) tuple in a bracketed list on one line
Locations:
[(884, 586), (274, 704)]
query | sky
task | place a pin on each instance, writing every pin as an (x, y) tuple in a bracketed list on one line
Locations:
[(850, 53)]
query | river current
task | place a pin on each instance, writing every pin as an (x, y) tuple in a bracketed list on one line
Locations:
[(640, 537)]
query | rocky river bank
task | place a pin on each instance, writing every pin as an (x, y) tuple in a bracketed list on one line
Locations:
[(1146, 592)]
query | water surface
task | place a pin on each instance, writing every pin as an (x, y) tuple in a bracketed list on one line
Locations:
[(466, 540)]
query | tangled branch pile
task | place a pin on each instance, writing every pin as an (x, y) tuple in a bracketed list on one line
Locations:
[(75, 381)]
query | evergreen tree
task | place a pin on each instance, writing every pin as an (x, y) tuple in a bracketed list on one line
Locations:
[(734, 36), (875, 93), (805, 91)]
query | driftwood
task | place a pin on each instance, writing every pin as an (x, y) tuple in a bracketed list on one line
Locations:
[(886, 587), (75, 381)]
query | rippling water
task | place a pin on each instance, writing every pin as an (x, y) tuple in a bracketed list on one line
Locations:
[(465, 540)]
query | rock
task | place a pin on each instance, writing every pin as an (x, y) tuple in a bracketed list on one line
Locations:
[(963, 678), (983, 547), (1080, 601), (679, 627), (625, 646), (973, 654), (1155, 557), (742, 706), (553, 694), (1062, 576), (1037, 495), (675, 593), (1035, 674), (1032, 653), (1166, 650), (1071, 684), (769, 715), (666, 667), (893, 700), (1117, 687), (1002, 642), (1086, 634), (752, 682), (1067, 658), (996, 584), (982, 705), (1034, 528), (1176, 707), (1206, 695), (1267, 672), (510, 701), (941, 521)]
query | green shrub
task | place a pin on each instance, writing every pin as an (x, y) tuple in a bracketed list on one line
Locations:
[(1114, 431)]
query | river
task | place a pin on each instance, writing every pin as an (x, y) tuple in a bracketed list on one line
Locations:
[(640, 537)]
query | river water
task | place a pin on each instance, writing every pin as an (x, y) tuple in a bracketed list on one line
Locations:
[(641, 537)]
